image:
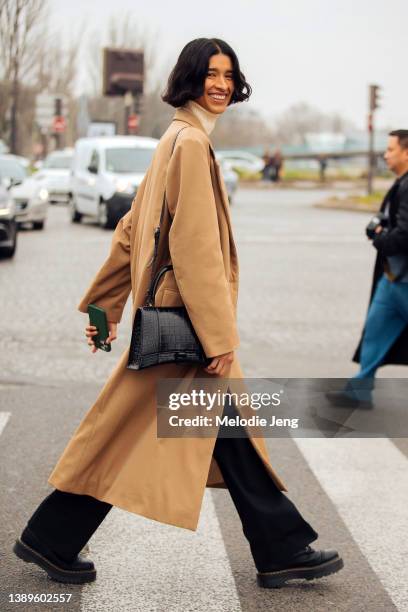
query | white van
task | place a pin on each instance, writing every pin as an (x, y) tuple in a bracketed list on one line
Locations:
[(106, 173)]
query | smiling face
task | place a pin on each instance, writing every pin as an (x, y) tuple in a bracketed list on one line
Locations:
[(218, 85)]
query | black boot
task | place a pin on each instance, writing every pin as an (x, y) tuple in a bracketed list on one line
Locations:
[(29, 548), (307, 564)]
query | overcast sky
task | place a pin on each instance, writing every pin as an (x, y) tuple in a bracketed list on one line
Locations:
[(324, 52)]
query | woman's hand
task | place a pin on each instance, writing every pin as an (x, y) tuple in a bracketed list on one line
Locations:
[(219, 365), (91, 331)]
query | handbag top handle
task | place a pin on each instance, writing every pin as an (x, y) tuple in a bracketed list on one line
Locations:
[(149, 300)]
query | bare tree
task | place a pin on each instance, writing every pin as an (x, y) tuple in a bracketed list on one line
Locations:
[(301, 119), (156, 114), (57, 72), (122, 32), (21, 26), (125, 32), (241, 127), (57, 66)]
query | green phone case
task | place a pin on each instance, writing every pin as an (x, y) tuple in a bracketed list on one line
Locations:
[(97, 317)]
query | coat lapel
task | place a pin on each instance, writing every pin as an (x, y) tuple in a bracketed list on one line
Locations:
[(186, 116)]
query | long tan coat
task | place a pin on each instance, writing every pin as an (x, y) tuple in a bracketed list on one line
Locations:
[(115, 454)]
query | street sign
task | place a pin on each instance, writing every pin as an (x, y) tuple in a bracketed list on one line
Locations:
[(58, 124), (133, 121), (123, 71), (44, 102), (45, 109)]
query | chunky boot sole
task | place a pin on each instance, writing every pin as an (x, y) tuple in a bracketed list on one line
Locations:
[(273, 580), (28, 554)]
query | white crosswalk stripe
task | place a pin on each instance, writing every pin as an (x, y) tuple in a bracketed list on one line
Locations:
[(167, 567), (144, 565), (4, 417), (367, 480)]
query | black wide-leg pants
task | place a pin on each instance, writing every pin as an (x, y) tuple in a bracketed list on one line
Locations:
[(271, 523)]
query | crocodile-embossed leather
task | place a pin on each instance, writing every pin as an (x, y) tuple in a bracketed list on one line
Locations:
[(164, 335)]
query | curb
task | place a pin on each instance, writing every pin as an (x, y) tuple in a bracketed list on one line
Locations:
[(349, 205)]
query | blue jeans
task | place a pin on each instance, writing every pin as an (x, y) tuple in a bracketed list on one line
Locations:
[(386, 319)]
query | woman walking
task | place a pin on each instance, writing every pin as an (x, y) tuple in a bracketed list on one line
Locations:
[(114, 457)]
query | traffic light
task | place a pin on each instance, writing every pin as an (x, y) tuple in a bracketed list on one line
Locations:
[(57, 107), (374, 97), (123, 71)]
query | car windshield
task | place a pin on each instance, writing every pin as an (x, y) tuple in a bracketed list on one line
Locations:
[(58, 162), (128, 160), (12, 169)]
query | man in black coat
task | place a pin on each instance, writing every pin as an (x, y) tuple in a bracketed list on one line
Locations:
[(385, 335)]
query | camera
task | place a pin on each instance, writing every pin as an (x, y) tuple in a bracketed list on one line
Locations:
[(380, 219)]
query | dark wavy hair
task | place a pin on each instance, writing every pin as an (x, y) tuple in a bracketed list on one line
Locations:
[(186, 80)]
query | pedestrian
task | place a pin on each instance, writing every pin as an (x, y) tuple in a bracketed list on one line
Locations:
[(277, 162), (322, 167), (268, 165), (385, 335), (114, 457)]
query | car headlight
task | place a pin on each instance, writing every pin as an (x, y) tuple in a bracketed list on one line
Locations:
[(43, 194), (6, 206), (123, 186)]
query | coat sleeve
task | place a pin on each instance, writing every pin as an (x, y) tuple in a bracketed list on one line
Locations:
[(112, 284), (195, 247), (395, 241)]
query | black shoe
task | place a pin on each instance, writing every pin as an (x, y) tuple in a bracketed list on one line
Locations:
[(29, 548), (339, 399), (307, 564)]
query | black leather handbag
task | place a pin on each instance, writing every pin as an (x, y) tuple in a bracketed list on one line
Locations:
[(163, 334)]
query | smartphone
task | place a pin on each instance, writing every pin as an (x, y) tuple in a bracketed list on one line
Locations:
[(97, 317)]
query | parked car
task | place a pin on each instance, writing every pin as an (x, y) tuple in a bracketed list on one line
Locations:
[(230, 176), (24, 161), (31, 202), (56, 174), (3, 147), (29, 194), (12, 172), (8, 224), (106, 173), (242, 161)]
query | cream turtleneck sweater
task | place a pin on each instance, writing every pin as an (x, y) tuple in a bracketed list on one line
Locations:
[(205, 117)]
